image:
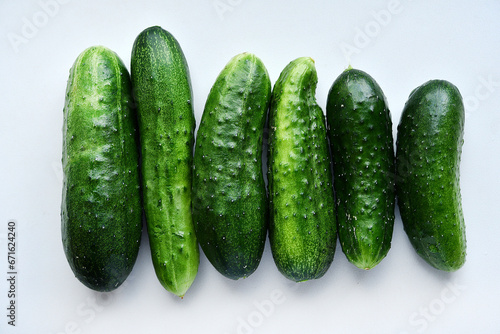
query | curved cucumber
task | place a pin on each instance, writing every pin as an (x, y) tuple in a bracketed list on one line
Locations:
[(429, 147), (360, 131), (230, 202), (101, 205), (302, 230), (162, 89)]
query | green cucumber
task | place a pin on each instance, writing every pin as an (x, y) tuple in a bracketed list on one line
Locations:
[(302, 230), (429, 147), (162, 89), (230, 200), (101, 209), (360, 131)]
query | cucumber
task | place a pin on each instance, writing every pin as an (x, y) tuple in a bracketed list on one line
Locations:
[(360, 131), (230, 200), (429, 148), (162, 90), (101, 210), (302, 230)]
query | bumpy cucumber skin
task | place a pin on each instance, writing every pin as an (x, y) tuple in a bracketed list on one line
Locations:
[(162, 89), (302, 229), (429, 148), (101, 204), (230, 200), (360, 131)]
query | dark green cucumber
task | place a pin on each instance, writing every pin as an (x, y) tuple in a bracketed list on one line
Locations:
[(230, 201), (360, 131), (101, 204), (429, 147), (162, 89), (302, 230)]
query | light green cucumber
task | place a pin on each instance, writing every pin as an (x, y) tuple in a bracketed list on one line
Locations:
[(162, 90), (302, 226)]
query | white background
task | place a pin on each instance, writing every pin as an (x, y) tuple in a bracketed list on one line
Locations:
[(401, 43)]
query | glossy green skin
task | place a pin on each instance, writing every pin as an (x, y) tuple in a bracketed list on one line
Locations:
[(429, 147), (302, 230), (230, 201), (101, 204), (162, 90), (360, 131)]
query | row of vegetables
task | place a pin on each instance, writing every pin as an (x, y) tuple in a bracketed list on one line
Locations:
[(129, 149)]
